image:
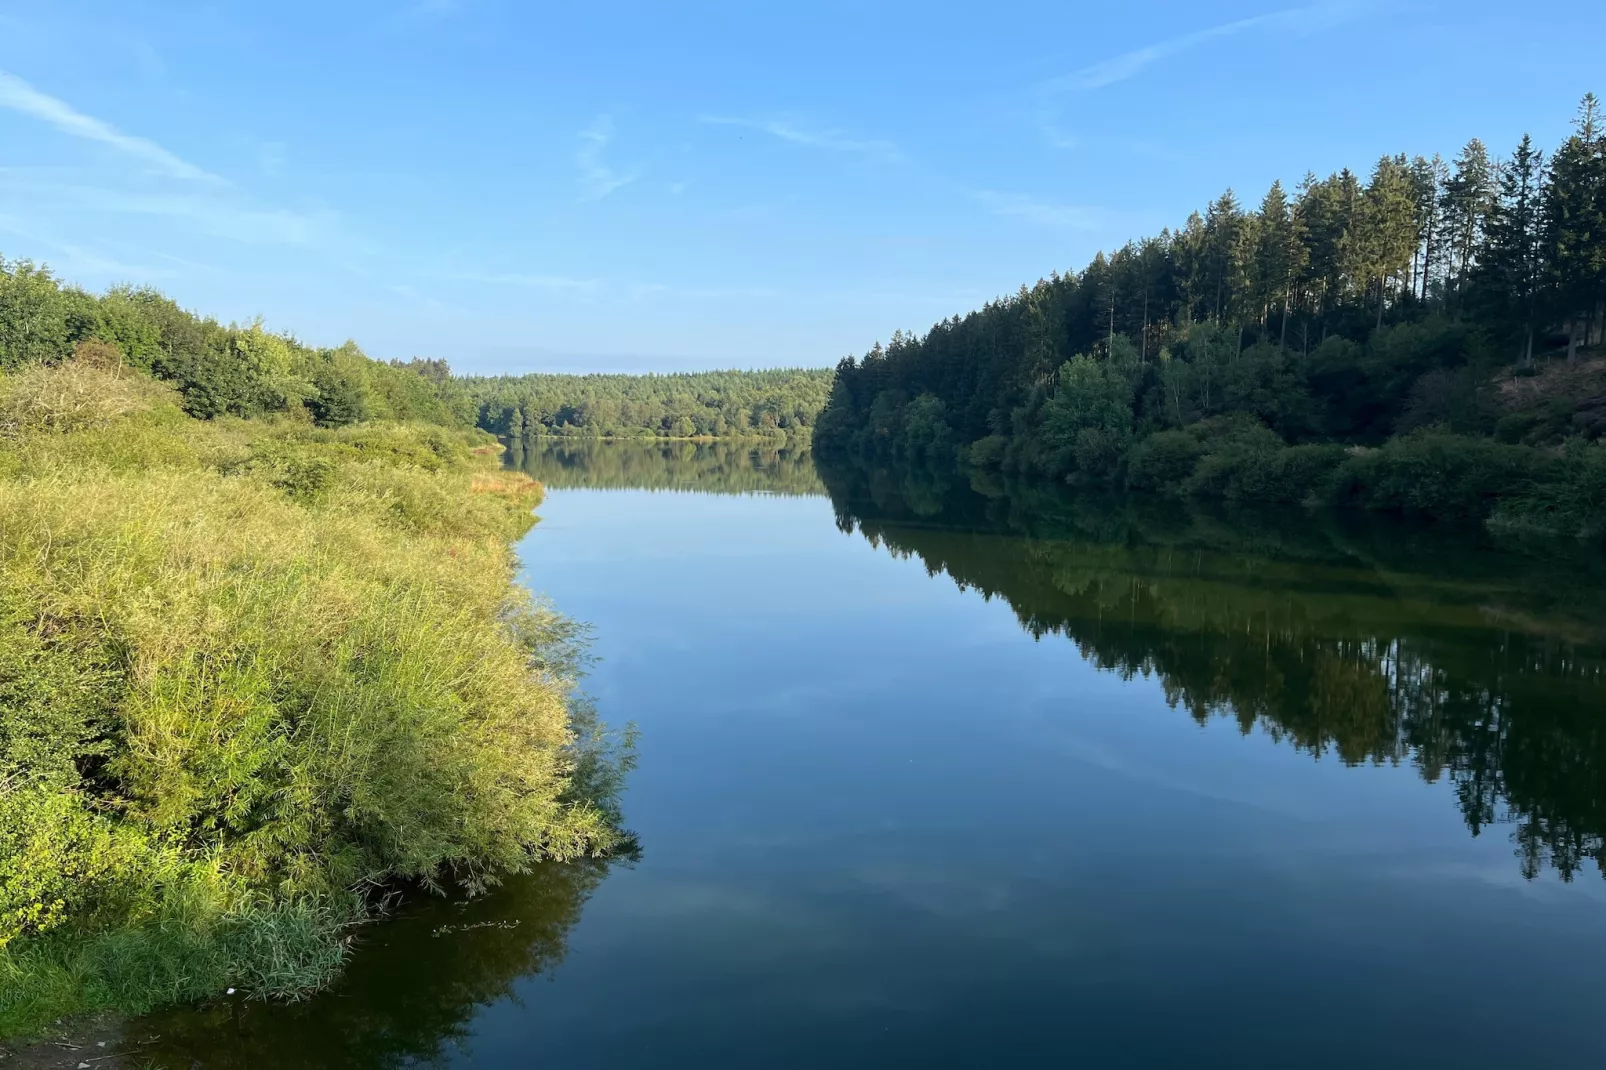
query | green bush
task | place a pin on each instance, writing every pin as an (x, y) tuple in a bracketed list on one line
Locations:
[(1571, 501), (1163, 462), (1290, 475), (1439, 475), (987, 452)]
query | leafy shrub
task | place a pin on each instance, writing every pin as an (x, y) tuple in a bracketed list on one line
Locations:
[(1572, 501), (1164, 461), (1440, 475), (1290, 475), (1231, 445), (987, 452)]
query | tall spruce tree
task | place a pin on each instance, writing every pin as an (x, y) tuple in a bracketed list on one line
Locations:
[(1468, 198), (1511, 264), (1575, 225)]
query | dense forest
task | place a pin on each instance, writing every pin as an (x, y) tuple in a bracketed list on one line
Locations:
[(1360, 637), (779, 403), (1425, 339), (262, 657)]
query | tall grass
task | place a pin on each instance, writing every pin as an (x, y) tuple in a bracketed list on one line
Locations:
[(249, 672)]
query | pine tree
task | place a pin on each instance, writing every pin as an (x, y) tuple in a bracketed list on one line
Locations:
[(1427, 180), (1468, 198), (1510, 263), (1386, 229), (1280, 257), (1575, 224), (1224, 236)]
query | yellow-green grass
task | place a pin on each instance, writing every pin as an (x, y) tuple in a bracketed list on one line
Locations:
[(249, 673)]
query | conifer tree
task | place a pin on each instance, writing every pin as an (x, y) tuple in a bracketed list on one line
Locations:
[(1511, 264), (1468, 197), (1575, 224)]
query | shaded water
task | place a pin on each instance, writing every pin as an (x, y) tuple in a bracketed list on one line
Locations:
[(934, 773)]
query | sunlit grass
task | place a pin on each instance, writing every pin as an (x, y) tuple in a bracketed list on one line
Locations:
[(251, 671)]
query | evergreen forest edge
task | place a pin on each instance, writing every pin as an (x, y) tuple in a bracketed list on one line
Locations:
[(1426, 341)]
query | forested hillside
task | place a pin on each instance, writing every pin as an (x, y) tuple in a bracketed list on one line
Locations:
[(771, 404), (1423, 339)]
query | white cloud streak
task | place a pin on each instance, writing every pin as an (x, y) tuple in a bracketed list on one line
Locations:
[(1300, 20), (18, 96), (220, 217), (76, 259), (799, 133), (598, 179), (1039, 213)]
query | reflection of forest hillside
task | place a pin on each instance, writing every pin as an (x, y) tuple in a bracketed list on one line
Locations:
[(406, 997), (1375, 643), (721, 467)]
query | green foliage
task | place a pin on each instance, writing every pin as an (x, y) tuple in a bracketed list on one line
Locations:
[(1087, 421), (1441, 475), (217, 371), (1572, 501), (337, 393), (33, 316), (247, 666), (1164, 461), (926, 433), (1356, 312), (987, 452), (780, 403)]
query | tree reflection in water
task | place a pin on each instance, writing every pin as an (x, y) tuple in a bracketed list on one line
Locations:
[(1473, 660)]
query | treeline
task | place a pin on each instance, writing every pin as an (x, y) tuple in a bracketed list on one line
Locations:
[(1409, 309), (1366, 639), (218, 370), (777, 403), (722, 467)]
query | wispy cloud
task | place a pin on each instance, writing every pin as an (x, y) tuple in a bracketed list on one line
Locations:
[(77, 260), (1038, 212), (1048, 126), (221, 215), (598, 179), (800, 133), (18, 96), (1299, 20)]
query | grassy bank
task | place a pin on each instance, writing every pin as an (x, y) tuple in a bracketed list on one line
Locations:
[(253, 671)]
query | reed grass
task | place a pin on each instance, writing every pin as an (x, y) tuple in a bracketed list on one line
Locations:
[(252, 671)]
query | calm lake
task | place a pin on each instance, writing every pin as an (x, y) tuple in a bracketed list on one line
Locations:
[(937, 771)]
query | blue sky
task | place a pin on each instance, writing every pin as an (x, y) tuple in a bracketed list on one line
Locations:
[(637, 186)]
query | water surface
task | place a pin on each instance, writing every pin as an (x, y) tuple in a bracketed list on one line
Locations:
[(938, 772)]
